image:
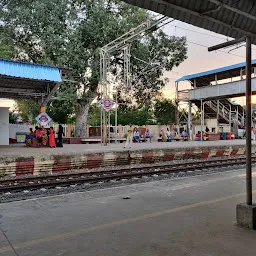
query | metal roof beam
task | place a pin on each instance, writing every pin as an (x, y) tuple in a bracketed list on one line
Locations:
[(183, 9), (233, 9), (49, 96), (226, 44)]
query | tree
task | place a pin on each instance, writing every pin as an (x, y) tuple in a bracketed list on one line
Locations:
[(27, 109), (64, 32), (12, 117), (132, 115), (94, 115), (7, 50), (62, 108), (165, 111)]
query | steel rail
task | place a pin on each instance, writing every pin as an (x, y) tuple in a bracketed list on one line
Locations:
[(52, 181)]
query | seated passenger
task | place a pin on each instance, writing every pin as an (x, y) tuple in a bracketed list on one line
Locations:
[(29, 138), (147, 135), (184, 135), (136, 135), (198, 136), (162, 135), (168, 135)]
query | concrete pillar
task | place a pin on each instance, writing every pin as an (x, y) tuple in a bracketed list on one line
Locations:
[(189, 121), (202, 118), (69, 130), (87, 131), (120, 131), (4, 126), (216, 79), (230, 117)]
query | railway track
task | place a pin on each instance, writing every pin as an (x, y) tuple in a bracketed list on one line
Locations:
[(74, 179)]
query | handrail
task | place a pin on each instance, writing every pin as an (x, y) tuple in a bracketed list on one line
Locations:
[(225, 112)]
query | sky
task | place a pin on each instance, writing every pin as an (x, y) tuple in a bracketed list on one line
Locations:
[(199, 59)]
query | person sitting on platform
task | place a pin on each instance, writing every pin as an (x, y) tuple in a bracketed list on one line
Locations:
[(44, 136), (162, 135), (147, 135), (136, 135), (168, 135), (39, 135), (29, 138), (198, 136), (204, 136), (184, 135)]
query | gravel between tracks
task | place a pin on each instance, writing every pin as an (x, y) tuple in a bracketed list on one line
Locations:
[(26, 194)]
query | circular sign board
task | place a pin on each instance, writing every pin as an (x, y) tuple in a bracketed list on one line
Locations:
[(43, 119), (107, 104)]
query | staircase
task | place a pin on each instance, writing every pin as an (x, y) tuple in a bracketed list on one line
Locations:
[(227, 111)]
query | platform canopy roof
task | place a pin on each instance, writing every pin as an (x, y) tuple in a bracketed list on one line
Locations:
[(27, 80), (222, 73), (233, 18)]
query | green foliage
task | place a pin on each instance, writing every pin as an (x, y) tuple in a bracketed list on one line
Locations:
[(94, 115), (124, 117), (12, 117), (132, 115), (165, 111), (27, 108), (7, 49), (162, 52), (62, 108), (70, 33)]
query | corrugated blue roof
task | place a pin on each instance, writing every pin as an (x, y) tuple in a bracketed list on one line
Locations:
[(213, 71), (29, 70)]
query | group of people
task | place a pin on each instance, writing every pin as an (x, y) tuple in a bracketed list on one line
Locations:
[(137, 137), (168, 136), (134, 134), (202, 136), (44, 137)]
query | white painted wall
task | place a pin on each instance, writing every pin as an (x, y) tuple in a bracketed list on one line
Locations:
[(4, 126), (213, 125)]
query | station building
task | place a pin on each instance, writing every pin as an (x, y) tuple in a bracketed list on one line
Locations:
[(210, 95), (23, 80)]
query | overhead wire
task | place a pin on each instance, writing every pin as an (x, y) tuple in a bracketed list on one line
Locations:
[(205, 46), (202, 33)]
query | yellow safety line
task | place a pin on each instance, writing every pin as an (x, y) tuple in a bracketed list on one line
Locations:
[(115, 223)]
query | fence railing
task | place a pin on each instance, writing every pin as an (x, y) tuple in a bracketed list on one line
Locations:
[(183, 95), (68, 129)]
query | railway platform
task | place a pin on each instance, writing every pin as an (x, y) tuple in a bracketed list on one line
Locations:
[(187, 216), (18, 160)]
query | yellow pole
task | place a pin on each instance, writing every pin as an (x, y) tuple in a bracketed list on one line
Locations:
[(42, 109)]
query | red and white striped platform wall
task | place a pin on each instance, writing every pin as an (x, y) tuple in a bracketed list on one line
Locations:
[(48, 164)]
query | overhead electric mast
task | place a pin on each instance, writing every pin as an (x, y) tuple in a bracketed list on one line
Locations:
[(122, 43)]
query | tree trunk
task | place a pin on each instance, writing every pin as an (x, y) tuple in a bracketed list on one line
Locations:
[(81, 118)]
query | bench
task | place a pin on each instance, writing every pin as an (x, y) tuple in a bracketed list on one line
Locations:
[(98, 140), (71, 140), (91, 141), (159, 139)]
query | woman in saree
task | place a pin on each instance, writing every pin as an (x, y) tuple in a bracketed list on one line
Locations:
[(44, 136), (52, 143)]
